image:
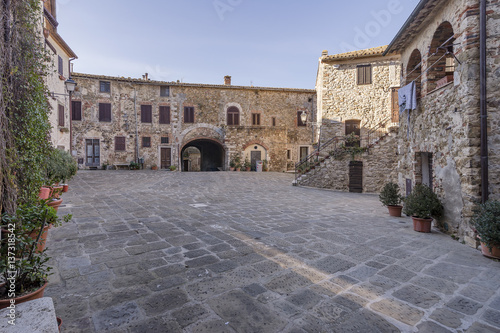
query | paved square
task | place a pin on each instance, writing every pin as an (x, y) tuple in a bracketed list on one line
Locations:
[(158, 251)]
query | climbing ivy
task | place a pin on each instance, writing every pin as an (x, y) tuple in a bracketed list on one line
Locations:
[(24, 106)]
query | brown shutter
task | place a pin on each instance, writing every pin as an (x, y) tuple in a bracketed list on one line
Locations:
[(164, 114), (76, 110), (189, 114), (119, 143), (105, 112), (146, 113), (61, 115)]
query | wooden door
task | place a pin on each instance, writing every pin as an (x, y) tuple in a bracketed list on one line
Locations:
[(93, 153), (304, 152), (356, 176), (395, 105), (254, 157), (353, 127), (165, 158)]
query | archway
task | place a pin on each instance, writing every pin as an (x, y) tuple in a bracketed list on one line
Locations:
[(211, 154)]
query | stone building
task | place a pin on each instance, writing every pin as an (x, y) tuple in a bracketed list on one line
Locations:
[(357, 94), (61, 55), (119, 120), (440, 142)]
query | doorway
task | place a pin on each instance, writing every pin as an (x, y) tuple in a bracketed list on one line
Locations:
[(254, 157), (304, 152), (165, 158), (93, 153)]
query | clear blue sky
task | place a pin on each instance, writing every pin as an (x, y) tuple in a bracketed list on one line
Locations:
[(264, 43)]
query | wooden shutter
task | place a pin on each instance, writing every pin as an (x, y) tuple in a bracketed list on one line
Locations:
[(76, 110), (146, 114), (395, 105), (105, 112), (233, 116), (61, 115), (189, 114), (61, 66), (364, 74), (256, 119), (119, 143), (164, 114)]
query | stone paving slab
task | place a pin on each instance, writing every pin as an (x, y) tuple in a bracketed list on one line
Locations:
[(155, 251)]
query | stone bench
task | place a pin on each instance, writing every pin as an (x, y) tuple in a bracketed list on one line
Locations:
[(125, 165), (37, 315)]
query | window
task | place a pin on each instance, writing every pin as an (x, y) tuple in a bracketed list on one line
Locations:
[(299, 119), (233, 116), (104, 86), (105, 112), (256, 119), (273, 121), (76, 110), (304, 152), (119, 143), (61, 66), (146, 114), (364, 74), (164, 114), (146, 141), (288, 154), (164, 91), (188, 114), (164, 139), (61, 115)]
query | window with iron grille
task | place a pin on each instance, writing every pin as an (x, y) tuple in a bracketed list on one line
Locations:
[(76, 110), (164, 114), (146, 141), (233, 116), (119, 143), (164, 91), (61, 115), (146, 114), (364, 74), (256, 119), (299, 119), (189, 114), (164, 139), (61, 65), (105, 86), (105, 112)]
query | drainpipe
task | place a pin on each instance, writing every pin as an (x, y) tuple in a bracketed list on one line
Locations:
[(136, 130), (70, 108), (483, 106)]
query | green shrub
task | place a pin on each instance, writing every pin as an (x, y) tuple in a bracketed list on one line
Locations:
[(423, 203), (389, 196), (486, 221), (60, 166)]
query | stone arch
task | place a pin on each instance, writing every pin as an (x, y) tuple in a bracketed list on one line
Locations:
[(255, 151), (212, 154), (414, 70), (443, 61), (202, 130)]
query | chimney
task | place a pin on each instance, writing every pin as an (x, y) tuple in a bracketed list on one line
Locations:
[(145, 76), (324, 53), (227, 80)]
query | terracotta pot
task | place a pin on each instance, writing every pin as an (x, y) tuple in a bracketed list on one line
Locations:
[(494, 253), (56, 191), (238, 169), (154, 168), (55, 204), (395, 210), (65, 188), (43, 238), (44, 193), (231, 169), (248, 169), (421, 225), (29, 297)]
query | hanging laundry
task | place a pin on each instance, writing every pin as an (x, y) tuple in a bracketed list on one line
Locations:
[(407, 96)]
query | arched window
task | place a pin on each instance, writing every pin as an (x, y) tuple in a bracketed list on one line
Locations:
[(414, 70), (443, 61), (233, 116)]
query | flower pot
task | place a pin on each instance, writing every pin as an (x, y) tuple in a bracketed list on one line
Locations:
[(248, 168), (231, 169), (56, 191), (395, 210), (43, 238), (29, 297), (44, 193), (65, 188), (154, 168), (238, 169), (421, 225), (494, 253), (55, 203)]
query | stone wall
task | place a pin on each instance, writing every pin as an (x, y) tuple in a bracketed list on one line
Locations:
[(210, 103)]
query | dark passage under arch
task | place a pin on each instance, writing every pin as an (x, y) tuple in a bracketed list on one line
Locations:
[(211, 154)]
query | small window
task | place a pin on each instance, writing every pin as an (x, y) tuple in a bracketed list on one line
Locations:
[(164, 139), (146, 114), (76, 110), (61, 115), (105, 112), (288, 154), (273, 121), (61, 65), (364, 74), (164, 91), (146, 141), (255, 119), (164, 114), (299, 119), (189, 114), (105, 86), (233, 116), (119, 143)]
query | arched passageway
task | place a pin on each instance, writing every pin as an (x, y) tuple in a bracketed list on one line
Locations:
[(211, 155)]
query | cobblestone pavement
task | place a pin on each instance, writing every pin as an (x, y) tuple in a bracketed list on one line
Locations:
[(218, 252)]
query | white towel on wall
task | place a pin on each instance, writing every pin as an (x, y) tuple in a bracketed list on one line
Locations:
[(407, 97)]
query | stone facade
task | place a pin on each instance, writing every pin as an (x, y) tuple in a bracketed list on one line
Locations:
[(439, 142), (61, 55), (266, 128)]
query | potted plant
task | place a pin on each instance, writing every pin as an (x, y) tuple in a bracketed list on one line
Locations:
[(265, 165), (134, 166), (232, 165), (422, 204), (172, 168), (60, 167), (390, 197), (486, 221), (247, 165), (154, 167)]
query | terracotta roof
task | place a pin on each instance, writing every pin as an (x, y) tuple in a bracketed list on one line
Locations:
[(374, 51), (182, 84)]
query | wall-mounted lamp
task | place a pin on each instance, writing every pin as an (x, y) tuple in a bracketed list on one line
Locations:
[(70, 87), (303, 117)]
